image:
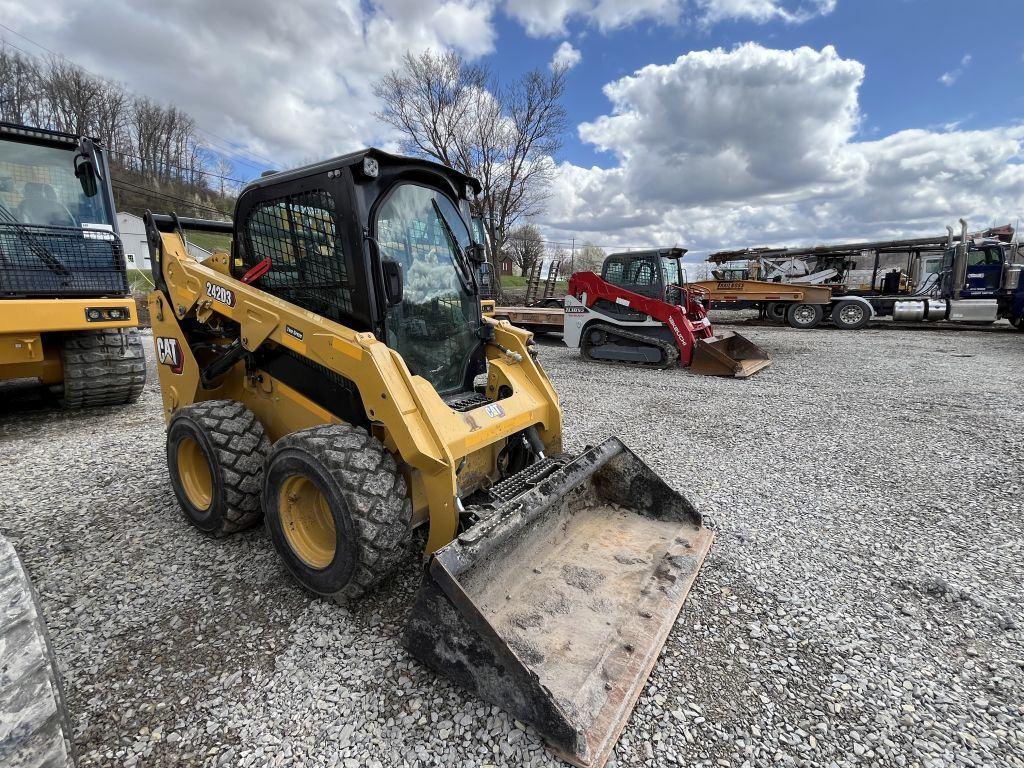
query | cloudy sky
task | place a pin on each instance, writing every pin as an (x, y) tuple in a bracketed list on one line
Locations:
[(702, 123)]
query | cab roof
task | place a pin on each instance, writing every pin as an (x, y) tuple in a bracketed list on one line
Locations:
[(39, 135), (355, 159)]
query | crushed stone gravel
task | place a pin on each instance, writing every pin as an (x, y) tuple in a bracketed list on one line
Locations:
[(863, 603)]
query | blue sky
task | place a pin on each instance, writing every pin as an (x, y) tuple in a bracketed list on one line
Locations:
[(905, 45)]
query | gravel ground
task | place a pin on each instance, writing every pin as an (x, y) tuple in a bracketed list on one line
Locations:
[(862, 605)]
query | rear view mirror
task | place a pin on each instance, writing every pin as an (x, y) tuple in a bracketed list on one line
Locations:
[(394, 284), (87, 166), (86, 173), (476, 253)]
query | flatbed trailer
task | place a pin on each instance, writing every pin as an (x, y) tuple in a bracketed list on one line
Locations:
[(800, 305), (538, 320)]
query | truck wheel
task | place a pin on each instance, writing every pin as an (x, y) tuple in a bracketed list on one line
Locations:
[(101, 368), (776, 311), (804, 316), (35, 730), (337, 509), (215, 453), (850, 315)]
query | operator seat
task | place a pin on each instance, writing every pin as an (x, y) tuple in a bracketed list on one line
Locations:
[(40, 206)]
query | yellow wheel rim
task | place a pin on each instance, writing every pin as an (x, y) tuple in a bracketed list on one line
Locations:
[(195, 474), (307, 521)]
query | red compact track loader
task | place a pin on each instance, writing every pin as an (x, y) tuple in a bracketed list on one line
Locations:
[(638, 311)]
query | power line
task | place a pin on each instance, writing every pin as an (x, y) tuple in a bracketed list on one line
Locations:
[(165, 196), (179, 167)]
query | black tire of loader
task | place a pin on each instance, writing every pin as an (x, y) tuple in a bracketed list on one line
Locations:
[(236, 448), (368, 499), (32, 703), (101, 368)]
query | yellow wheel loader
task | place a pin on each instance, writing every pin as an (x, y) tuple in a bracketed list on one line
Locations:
[(67, 317), (333, 375)]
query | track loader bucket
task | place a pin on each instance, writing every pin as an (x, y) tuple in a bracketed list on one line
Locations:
[(728, 354), (556, 605)]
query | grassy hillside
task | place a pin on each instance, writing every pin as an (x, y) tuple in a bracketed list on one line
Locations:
[(211, 241)]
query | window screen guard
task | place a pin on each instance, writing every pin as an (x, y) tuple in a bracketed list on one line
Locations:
[(299, 234)]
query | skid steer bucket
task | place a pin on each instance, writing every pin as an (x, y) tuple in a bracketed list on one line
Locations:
[(728, 354), (556, 605)]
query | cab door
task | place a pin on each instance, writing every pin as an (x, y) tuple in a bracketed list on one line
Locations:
[(984, 270)]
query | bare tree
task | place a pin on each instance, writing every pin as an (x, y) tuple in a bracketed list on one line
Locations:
[(155, 156), (589, 258), (459, 114), (222, 170), (525, 246)]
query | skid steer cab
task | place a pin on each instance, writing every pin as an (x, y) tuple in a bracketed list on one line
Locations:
[(640, 311), (333, 375)]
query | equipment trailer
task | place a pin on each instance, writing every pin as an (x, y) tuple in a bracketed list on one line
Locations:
[(67, 317), (323, 376), (960, 279)]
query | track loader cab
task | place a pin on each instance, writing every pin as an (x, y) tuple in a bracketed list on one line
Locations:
[(67, 318), (649, 273), (334, 376)]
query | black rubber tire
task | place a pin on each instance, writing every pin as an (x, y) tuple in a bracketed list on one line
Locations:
[(853, 324), (804, 316), (368, 501), (101, 368), (776, 311), (35, 729), (236, 448)]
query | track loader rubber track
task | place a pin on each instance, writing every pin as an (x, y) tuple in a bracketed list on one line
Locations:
[(670, 353), (102, 368), (35, 730), (374, 491)]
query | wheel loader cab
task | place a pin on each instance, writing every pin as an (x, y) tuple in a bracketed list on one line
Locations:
[(67, 317)]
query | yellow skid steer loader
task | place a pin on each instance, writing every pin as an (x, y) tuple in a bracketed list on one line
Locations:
[(333, 375)]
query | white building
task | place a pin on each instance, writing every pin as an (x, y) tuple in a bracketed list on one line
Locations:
[(136, 248), (133, 238)]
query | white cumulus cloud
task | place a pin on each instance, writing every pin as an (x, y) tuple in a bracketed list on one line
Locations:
[(759, 146), (291, 81), (566, 56)]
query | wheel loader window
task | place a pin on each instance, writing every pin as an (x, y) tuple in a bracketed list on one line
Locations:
[(434, 327), (38, 187), (298, 233)]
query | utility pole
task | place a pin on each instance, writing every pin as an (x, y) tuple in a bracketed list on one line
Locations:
[(572, 257)]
